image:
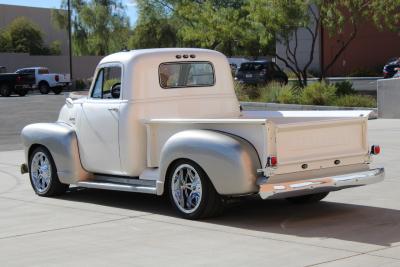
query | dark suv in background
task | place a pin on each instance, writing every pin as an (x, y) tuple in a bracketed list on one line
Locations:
[(258, 72)]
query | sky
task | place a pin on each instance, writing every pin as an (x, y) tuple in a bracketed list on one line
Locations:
[(131, 8)]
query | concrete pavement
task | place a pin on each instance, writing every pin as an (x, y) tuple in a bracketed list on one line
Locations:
[(87, 227)]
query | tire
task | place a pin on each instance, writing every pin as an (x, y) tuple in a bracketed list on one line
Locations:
[(43, 174), (308, 199), (22, 92), (44, 88), (208, 202), (5, 90), (57, 90)]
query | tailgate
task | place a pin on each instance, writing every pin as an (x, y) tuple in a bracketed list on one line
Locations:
[(64, 78), (304, 146)]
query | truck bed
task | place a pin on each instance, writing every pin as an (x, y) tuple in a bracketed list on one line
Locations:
[(302, 144)]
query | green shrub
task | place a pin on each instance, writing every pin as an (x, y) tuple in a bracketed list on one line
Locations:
[(276, 93), (242, 91), (269, 92), (319, 93), (80, 85), (344, 88), (287, 96), (356, 101)]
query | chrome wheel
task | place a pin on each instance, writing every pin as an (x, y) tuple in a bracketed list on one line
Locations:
[(40, 172), (186, 188)]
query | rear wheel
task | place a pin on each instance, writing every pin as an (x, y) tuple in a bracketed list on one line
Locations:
[(312, 198), (44, 88), (43, 174), (5, 90), (191, 192), (57, 90), (22, 92)]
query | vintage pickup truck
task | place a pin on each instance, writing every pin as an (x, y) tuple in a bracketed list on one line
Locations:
[(167, 121)]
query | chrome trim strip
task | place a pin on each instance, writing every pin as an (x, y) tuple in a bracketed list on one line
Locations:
[(324, 184), (119, 187)]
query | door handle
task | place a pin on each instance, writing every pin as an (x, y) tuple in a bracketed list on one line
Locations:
[(113, 109)]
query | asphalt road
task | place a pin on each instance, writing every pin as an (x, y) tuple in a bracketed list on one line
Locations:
[(354, 227), (16, 112)]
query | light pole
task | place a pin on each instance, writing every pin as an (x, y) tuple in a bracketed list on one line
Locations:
[(69, 38)]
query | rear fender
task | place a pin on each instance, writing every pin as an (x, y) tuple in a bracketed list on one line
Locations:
[(230, 162)]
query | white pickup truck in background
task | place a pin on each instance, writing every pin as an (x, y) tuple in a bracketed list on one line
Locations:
[(46, 81), (167, 121)]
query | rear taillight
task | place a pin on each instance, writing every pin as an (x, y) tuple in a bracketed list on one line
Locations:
[(385, 74), (19, 79), (375, 150), (272, 161), (57, 78)]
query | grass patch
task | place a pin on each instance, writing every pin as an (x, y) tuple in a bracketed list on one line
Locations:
[(356, 101)]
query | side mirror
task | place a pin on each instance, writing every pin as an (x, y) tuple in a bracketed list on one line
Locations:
[(69, 102), (116, 90)]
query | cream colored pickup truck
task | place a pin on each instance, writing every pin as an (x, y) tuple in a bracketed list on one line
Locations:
[(167, 121)]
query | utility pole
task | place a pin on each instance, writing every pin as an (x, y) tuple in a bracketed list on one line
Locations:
[(69, 38)]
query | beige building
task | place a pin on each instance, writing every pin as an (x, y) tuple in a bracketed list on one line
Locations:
[(41, 17), (83, 66)]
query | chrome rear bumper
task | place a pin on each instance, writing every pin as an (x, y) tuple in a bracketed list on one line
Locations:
[(325, 184)]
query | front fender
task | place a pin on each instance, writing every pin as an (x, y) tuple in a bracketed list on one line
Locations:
[(230, 162), (60, 139)]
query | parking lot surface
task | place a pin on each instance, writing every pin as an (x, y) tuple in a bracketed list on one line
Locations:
[(87, 227)]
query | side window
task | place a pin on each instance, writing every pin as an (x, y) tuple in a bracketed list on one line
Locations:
[(112, 81), (97, 89), (42, 71), (108, 83)]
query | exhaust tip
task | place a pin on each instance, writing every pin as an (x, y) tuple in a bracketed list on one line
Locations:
[(24, 168)]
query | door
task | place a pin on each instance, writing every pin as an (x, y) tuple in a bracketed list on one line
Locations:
[(98, 123)]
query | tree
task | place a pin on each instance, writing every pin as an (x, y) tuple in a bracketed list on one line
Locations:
[(22, 36), (282, 20), (285, 18), (154, 28), (216, 24), (99, 27)]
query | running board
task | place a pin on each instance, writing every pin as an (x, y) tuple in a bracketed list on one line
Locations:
[(126, 187)]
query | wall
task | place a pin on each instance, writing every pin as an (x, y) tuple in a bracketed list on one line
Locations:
[(303, 49), (41, 17), (369, 50), (389, 98), (82, 66)]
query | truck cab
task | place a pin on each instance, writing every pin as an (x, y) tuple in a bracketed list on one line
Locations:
[(167, 121)]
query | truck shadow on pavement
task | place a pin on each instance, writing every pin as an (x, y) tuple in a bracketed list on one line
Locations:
[(356, 223)]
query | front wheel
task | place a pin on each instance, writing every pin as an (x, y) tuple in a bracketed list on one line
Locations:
[(22, 92), (191, 192), (57, 90), (43, 174), (44, 88), (307, 199)]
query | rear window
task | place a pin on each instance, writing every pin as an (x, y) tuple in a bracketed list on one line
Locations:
[(252, 66), (186, 74)]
